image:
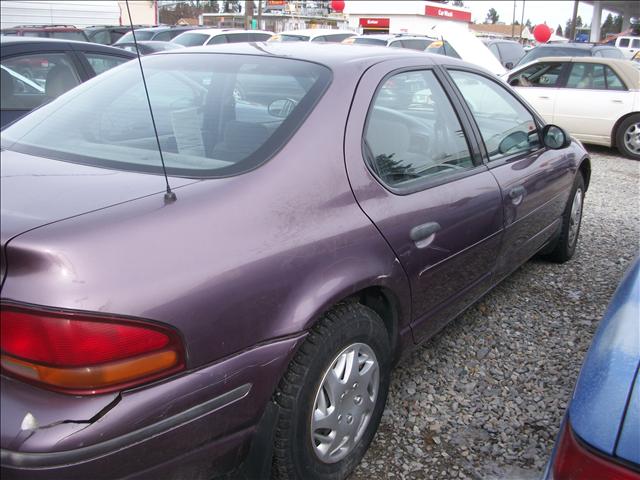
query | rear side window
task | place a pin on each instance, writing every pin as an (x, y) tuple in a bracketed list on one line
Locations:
[(336, 37), (140, 35), (442, 48), (494, 49), (506, 126), (511, 52), (30, 80), (538, 75), (165, 36), (101, 36), (613, 80), (635, 43), (412, 131), (237, 37), (259, 37), (191, 39), (589, 76), (218, 116), (101, 63)]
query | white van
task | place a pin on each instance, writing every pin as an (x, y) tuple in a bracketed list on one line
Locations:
[(628, 45)]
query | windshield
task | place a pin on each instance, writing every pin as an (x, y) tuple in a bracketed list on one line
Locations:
[(216, 116), (369, 41), (554, 52), (191, 39), (140, 35)]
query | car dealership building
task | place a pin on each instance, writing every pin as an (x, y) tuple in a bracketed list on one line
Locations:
[(404, 16)]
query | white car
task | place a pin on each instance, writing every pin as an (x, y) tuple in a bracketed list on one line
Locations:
[(214, 36), (313, 35), (629, 45), (596, 99)]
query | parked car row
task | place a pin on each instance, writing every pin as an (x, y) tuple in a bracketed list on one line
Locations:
[(245, 317)]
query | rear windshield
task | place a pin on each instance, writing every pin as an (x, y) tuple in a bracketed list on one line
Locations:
[(191, 39), (216, 116), (540, 52), (369, 41), (140, 35)]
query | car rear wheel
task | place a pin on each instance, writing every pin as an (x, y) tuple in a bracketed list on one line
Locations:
[(332, 397), (628, 137), (571, 220)]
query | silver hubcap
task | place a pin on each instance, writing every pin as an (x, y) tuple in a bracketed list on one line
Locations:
[(344, 402), (632, 138), (576, 216)]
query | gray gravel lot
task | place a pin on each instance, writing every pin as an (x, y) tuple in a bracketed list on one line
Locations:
[(485, 397)]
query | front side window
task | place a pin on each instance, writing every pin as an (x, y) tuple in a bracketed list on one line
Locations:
[(587, 76), (69, 35), (412, 131), (101, 62), (28, 81), (369, 41), (191, 39), (416, 44), (337, 37), (218, 116), (101, 36), (624, 42), (494, 49), (506, 126), (442, 48), (635, 43), (538, 75)]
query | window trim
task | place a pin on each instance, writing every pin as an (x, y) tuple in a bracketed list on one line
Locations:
[(540, 123), (425, 183)]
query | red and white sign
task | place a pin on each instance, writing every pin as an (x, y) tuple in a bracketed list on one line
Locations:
[(374, 22), (447, 14)]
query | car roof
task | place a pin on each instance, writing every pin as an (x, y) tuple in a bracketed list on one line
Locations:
[(334, 55), (162, 28), (316, 32), (39, 42), (218, 31), (624, 68)]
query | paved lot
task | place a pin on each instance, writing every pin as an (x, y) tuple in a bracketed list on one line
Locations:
[(484, 398)]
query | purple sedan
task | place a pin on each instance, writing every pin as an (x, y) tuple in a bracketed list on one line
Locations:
[(334, 207)]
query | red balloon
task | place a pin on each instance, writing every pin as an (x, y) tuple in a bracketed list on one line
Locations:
[(542, 33), (337, 6)]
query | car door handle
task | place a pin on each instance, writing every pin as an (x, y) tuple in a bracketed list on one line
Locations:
[(544, 97), (516, 193), (424, 234), (616, 100)]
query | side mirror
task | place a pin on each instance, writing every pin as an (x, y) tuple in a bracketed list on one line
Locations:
[(555, 137), (508, 65)]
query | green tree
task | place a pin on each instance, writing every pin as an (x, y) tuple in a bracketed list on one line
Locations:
[(559, 31), (528, 24), (457, 3), (492, 16)]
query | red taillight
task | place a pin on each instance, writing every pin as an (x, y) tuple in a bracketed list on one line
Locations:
[(573, 461), (85, 354)]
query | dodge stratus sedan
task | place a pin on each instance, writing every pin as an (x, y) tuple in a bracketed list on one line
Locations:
[(331, 207)]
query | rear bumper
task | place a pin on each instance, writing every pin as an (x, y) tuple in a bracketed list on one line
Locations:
[(195, 426)]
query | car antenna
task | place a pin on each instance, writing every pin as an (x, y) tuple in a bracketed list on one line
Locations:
[(169, 195), (444, 44)]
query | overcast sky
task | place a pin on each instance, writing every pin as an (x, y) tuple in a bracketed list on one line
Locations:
[(554, 13)]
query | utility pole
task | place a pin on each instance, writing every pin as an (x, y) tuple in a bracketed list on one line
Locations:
[(574, 17), (513, 20), (248, 13), (522, 21), (260, 15)]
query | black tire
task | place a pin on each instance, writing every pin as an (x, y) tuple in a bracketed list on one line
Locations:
[(565, 246), (621, 132), (294, 456)]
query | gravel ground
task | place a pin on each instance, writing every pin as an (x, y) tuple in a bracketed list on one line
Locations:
[(484, 398)]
